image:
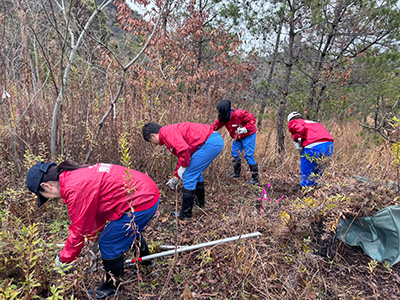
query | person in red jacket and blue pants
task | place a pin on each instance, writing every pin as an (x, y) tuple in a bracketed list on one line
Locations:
[(314, 143), (196, 146), (242, 128), (98, 203)]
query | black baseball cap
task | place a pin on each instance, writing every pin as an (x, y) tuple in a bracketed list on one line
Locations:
[(34, 178)]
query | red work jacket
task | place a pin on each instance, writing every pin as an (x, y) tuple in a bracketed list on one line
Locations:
[(309, 132), (239, 118), (97, 194), (184, 139)]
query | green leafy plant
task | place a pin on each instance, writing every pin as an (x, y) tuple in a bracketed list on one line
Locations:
[(8, 290), (396, 153), (372, 265), (387, 266), (205, 256)]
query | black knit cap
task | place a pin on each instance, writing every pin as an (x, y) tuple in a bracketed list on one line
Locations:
[(224, 111)]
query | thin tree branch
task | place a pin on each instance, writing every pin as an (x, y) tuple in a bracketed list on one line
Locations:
[(124, 70)]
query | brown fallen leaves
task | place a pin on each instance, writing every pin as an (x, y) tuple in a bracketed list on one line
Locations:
[(187, 294)]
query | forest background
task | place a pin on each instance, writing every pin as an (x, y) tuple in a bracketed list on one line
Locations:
[(80, 78)]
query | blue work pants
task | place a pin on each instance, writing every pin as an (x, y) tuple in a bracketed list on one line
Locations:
[(312, 163), (246, 145), (201, 159), (119, 235)]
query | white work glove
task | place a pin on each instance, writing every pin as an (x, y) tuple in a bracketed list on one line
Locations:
[(62, 267), (241, 130), (181, 170), (173, 182), (298, 146)]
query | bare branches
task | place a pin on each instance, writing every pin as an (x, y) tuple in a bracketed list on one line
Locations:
[(380, 129), (122, 84), (72, 55)]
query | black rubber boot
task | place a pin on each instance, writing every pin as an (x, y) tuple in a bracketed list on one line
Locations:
[(200, 194), (237, 166), (254, 174), (187, 204), (144, 251), (114, 270)]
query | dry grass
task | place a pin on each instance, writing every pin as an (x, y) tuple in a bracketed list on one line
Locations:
[(281, 264)]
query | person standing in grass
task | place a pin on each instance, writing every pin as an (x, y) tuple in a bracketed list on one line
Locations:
[(242, 128), (314, 143), (196, 146), (99, 206)]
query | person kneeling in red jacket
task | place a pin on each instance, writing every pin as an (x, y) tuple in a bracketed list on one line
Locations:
[(196, 146), (96, 194)]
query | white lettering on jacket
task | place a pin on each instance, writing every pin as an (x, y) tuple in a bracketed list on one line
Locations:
[(104, 168)]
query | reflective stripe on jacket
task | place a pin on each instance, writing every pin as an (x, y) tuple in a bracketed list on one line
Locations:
[(309, 132), (97, 194), (239, 118)]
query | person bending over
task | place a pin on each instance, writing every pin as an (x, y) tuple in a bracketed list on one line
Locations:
[(242, 128), (196, 146), (98, 203), (314, 144)]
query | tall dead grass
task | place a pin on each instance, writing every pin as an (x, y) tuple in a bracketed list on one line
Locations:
[(282, 264)]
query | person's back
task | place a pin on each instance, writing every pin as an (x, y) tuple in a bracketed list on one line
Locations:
[(309, 131), (102, 187), (314, 143), (193, 134)]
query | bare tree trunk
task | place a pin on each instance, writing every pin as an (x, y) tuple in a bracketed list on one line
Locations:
[(122, 84), (270, 74), (289, 65), (320, 97), (376, 112), (199, 54), (74, 49), (311, 112), (12, 137)]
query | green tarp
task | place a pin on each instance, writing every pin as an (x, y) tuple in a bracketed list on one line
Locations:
[(379, 235)]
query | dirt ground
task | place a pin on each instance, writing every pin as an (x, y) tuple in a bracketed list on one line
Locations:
[(297, 259)]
